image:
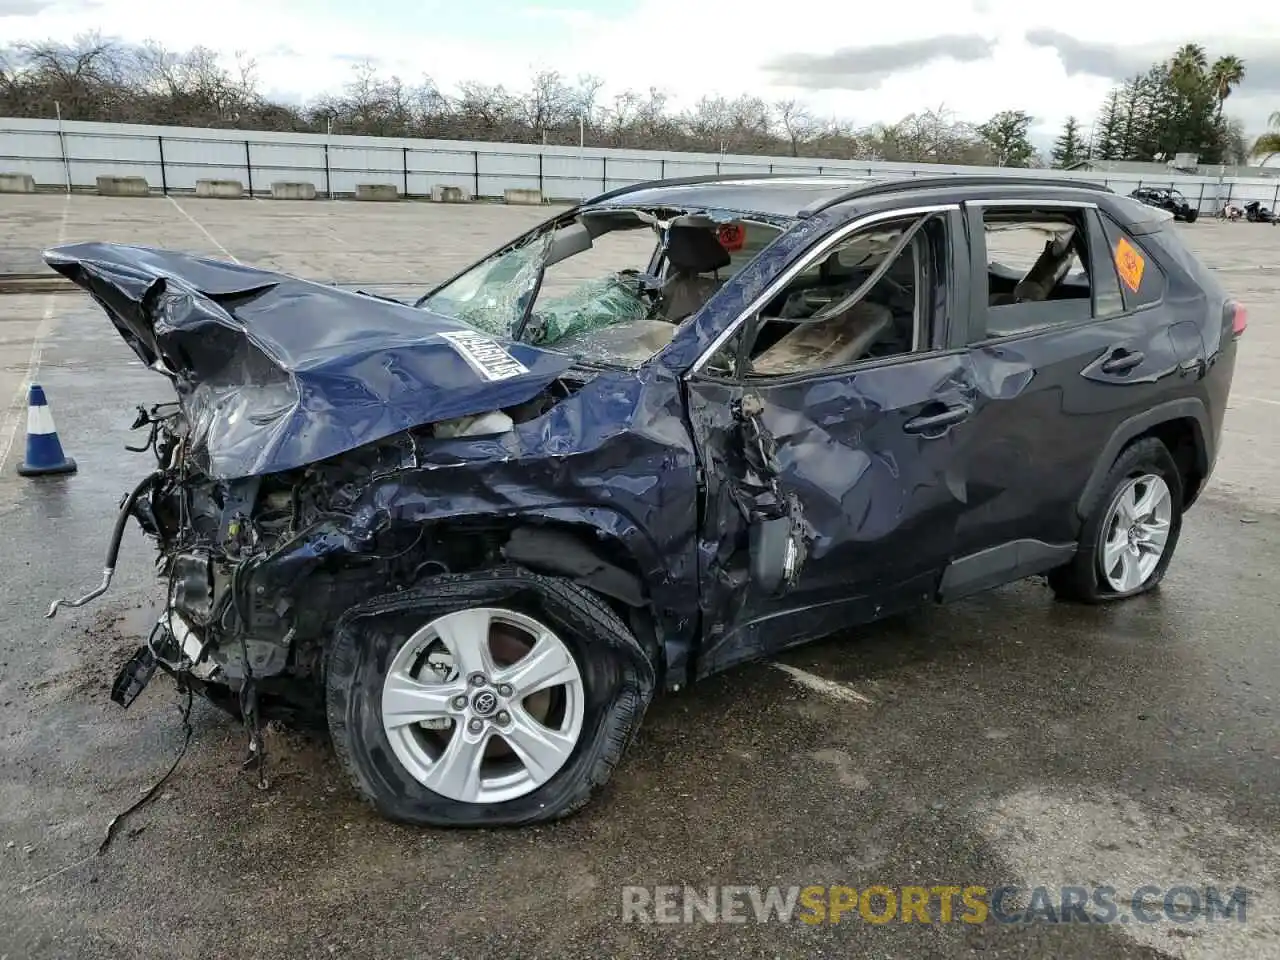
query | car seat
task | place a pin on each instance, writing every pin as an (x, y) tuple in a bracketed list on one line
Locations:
[(832, 342), (691, 251), (1045, 274)]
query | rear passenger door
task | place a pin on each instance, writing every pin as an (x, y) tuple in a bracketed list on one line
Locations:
[(1057, 376)]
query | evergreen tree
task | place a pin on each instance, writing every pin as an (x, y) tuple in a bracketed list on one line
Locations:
[(1131, 118), (1174, 107), (1106, 143), (1069, 148)]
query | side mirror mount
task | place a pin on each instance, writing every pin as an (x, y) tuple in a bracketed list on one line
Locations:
[(777, 553)]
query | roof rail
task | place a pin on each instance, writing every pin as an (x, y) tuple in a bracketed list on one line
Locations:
[(877, 187), (712, 178)]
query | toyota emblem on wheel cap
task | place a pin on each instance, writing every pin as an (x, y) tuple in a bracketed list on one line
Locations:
[(484, 702)]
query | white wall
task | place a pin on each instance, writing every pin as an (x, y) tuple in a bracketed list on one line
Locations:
[(174, 158)]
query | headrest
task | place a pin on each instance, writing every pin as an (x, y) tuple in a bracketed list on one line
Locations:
[(695, 250)]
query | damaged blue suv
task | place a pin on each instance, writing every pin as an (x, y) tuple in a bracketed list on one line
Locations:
[(476, 533)]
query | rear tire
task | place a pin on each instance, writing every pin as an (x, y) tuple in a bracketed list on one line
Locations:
[(394, 763), (1115, 558)]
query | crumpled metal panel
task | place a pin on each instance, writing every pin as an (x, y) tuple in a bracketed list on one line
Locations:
[(613, 459), (275, 372)]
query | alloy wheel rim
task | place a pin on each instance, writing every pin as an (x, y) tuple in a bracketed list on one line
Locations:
[(1135, 533), (483, 705)]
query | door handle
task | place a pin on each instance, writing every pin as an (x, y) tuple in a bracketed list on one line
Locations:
[(950, 415), (1122, 360)]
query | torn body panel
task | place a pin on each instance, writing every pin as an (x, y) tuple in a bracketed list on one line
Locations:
[(329, 446), (275, 372), (265, 565), (881, 492)]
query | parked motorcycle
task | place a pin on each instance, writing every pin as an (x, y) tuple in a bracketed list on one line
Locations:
[(1255, 212)]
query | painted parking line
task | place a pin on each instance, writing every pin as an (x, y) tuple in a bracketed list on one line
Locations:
[(840, 692), (200, 226), (16, 410), (1274, 403)]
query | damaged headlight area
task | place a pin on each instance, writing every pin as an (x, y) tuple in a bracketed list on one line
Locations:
[(257, 569)]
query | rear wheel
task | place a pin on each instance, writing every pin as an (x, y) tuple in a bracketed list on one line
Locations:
[(484, 699), (1132, 530)]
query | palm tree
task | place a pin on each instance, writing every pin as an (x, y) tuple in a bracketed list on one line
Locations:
[(1190, 59), (1269, 142), (1226, 75)]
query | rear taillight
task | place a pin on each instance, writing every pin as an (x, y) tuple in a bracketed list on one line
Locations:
[(1236, 314)]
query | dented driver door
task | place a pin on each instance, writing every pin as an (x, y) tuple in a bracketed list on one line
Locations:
[(853, 475)]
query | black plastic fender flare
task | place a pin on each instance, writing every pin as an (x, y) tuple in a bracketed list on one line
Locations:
[(1185, 408)]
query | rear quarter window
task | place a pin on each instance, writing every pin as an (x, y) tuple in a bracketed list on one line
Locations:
[(1142, 281)]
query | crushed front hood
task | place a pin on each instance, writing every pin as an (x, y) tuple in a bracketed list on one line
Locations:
[(274, 372)]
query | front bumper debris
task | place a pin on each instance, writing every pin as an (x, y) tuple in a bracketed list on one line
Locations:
[(173, 647)]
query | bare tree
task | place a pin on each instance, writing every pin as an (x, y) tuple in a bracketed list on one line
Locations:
[(95, 79), (796, 123)]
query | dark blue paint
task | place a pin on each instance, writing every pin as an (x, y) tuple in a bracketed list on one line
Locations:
[(649, 463), (310, 371)]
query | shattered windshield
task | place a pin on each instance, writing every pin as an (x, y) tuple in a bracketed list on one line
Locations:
[(494, 295), (608, 287)]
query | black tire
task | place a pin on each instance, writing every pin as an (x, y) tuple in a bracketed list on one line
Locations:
[(1080, 580), (618, 680), (1192, 215)]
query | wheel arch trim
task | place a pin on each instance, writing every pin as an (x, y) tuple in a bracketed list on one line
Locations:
[(1191, 409)]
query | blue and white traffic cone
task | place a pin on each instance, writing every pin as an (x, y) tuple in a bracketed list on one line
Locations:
[(44, 449)]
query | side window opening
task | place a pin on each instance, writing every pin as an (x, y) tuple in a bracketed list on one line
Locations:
[(870, 297), (1038, 270), (700, 257)]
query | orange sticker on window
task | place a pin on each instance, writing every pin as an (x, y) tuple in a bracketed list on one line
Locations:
[(1129, 264), (733, 236)]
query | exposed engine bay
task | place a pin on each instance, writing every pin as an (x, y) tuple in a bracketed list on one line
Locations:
[(257, 569), (329, 450)]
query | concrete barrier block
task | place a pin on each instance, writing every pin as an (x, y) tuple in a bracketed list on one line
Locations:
[(522, 195), (377, 191), (222, 189), (123, 187), (442, 193), (17, 183), (285, 190)]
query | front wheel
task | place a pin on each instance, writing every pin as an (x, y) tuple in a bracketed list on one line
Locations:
[(488, 699), (1131, 531)]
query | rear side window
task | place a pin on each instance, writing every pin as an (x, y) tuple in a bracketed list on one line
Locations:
[(1141, 279)]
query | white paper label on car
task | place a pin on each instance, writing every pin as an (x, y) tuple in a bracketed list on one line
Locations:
[(485, 355)]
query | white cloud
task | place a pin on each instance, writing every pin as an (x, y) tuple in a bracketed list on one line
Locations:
[(686, 47)]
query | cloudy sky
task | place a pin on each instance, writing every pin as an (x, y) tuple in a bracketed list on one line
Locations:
[(974, 56)]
